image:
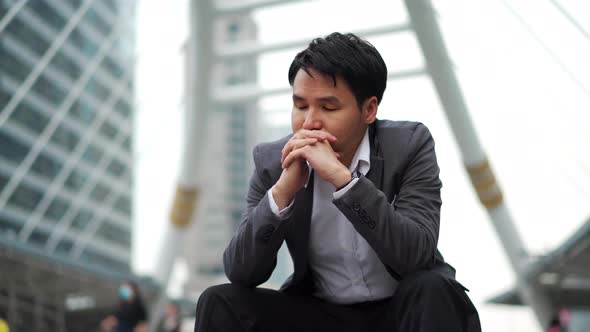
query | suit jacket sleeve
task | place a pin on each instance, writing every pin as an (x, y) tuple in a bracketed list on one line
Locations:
[(404, 234), (251, 255)]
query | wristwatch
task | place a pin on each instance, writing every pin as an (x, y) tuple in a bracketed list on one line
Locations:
[(353, 175)]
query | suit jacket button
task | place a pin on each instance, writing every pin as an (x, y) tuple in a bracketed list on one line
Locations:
[(356, 207), (363, 213), (372, 224)]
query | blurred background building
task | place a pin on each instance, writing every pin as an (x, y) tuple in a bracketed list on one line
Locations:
[(66, 162), (233, 128), (232, 133)]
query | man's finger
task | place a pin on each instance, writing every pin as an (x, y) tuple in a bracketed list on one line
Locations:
[(320, 135), (293, 156), (295, 144)]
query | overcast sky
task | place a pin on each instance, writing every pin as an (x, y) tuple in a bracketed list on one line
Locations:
[(532, 119)]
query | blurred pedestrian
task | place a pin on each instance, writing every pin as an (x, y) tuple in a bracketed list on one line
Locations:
[(171, 320), (130, 314), (554, 325), (560, 321)]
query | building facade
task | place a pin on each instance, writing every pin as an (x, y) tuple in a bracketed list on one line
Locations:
[(233, 132), (66, 122), (234, 128)]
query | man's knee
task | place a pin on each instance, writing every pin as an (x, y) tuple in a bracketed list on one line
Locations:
[(217, 293), (432, 288), (425, 282), (215, 308), (213, 292), (438, 297)]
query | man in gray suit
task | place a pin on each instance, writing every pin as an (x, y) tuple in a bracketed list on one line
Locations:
[(357, 201)]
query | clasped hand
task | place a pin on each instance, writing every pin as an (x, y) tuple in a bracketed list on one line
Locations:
[(313, 147)]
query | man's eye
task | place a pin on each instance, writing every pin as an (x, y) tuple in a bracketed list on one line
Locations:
[(301, 107), (330, 108)]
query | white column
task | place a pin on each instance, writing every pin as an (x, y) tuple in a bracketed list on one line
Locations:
[(440, 67), (199, 57)]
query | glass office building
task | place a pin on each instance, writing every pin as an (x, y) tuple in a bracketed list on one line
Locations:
[(65, 157), (66, 164)]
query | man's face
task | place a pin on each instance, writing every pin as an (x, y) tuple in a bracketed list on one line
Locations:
[(318, 104)]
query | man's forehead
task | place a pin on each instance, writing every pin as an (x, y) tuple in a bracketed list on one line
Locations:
[(312, 74)]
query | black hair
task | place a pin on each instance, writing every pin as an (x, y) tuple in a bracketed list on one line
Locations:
[(346, 56)]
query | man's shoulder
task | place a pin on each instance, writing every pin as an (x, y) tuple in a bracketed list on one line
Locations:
[(269, 153), (272, 146), (399, 129), (399, 140)]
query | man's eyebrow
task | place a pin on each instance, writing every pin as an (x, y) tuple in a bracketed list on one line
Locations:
[(329, 99), (326, 99), (298, 98)]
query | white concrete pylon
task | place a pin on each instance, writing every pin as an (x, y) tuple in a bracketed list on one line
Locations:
[(440, 68), (197, 103)]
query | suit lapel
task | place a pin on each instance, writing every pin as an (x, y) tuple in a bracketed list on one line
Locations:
[(376, 171)]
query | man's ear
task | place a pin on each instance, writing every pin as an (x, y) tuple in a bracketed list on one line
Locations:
[(370, 110)]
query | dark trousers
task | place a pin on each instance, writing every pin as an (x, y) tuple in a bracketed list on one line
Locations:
[(424, 301)]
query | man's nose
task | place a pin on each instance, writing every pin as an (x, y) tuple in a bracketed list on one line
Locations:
[(312, 119)]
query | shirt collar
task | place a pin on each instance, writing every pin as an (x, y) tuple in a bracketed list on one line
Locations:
[(362, 157)]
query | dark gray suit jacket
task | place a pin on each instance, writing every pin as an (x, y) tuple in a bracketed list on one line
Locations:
[(396, 208)]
